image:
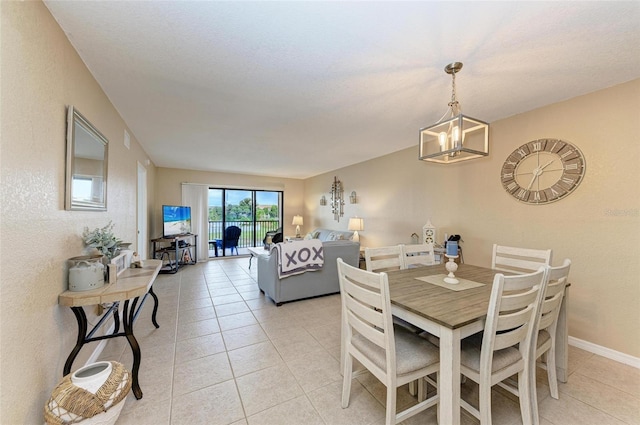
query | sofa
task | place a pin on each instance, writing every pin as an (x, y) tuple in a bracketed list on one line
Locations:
[(311, 283)]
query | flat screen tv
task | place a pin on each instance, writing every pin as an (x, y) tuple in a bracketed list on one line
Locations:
[(176, 220)]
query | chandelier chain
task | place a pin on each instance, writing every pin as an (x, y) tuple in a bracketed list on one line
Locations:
[(454, 105)]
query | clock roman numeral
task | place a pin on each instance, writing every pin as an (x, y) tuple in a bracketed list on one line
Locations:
[(521, 152), (522, 193), (536, 146), (511, 186), (507, 176), (572, 166)]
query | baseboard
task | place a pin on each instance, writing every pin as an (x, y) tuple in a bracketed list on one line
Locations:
[(605, 352), (100, 347)]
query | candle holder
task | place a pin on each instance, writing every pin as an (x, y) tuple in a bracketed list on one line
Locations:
[(451, 267)]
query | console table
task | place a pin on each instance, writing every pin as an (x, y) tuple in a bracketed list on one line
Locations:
[(131, 284)]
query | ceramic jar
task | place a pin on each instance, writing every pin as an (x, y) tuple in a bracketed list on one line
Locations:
[(86, 272)]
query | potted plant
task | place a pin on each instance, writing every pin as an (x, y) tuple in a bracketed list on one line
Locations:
[(103, 240)]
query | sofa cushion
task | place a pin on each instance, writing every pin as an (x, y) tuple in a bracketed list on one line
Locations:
[(323, 234)]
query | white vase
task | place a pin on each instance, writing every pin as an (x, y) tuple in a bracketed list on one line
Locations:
[(91, 378)]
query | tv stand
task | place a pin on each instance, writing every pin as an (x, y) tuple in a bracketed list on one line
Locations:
[(175, 251)]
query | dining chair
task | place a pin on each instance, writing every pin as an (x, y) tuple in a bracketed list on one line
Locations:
[(392, 354), (417, 255), (519, 260), (547, 324), (504, 348), (384, 258)]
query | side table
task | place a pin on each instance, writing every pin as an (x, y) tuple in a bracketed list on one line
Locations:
[(257, 250), (131, 284)]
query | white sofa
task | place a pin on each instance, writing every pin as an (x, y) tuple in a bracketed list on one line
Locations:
[(311, 283)]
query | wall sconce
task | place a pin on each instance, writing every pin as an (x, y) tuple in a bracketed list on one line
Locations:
[(353, 199), (323, 201)]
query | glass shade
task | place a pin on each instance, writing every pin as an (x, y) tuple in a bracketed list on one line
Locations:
[(455, 139)]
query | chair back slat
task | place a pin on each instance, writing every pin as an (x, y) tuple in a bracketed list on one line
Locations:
[(384, 258), (519, 260), (417, 255), (366, 312), (518, 300), (363, 294), (550, 308), (375, 335), (366, 307), (510, 338)]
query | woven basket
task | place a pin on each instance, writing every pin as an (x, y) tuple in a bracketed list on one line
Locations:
[(71, 404)]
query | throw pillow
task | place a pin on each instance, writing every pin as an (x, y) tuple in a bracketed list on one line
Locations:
[(308, 236), (332, 237)]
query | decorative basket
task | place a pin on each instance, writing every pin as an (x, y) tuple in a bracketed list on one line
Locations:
[(93, 394)]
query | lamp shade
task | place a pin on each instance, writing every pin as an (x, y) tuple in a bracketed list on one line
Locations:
[(356, 223), (297, 220)]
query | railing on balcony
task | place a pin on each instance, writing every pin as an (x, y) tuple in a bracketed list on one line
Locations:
[(247, 239)]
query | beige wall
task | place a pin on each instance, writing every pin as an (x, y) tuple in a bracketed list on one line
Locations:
[(597, 226), (40, 74), (169, 182)]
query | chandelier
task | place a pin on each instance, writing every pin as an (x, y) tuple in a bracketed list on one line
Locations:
[(455, 137)]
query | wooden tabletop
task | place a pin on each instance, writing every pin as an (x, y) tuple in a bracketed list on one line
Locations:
[(131, 283), (446, 307)]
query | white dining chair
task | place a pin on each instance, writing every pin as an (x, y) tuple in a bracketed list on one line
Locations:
[(519, 260), (384, 258), (505, 347), (415, 255), (392, 354), (547, 325)]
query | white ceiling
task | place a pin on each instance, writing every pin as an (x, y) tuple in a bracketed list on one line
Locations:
[(295, 89)]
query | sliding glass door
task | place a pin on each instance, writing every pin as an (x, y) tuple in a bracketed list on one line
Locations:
[(255, 212)]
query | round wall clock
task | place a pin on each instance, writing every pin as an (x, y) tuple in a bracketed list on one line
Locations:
[(543, 171)]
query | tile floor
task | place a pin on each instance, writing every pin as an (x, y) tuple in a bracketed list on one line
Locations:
[(224, 354)]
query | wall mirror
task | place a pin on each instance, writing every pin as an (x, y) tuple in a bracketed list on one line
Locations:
[(87, 154)]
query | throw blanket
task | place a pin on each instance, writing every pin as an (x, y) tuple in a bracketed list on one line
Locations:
[(298, 257)]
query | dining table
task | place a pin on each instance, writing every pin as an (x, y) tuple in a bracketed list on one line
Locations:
[(452, 312)]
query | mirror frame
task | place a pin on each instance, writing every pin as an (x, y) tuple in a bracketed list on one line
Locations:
[(75, 118)]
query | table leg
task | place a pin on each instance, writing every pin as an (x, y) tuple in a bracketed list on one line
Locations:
[(81, 318), (128, 318), (449, 379), (250, 258), (155, 308), (116, 321)]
